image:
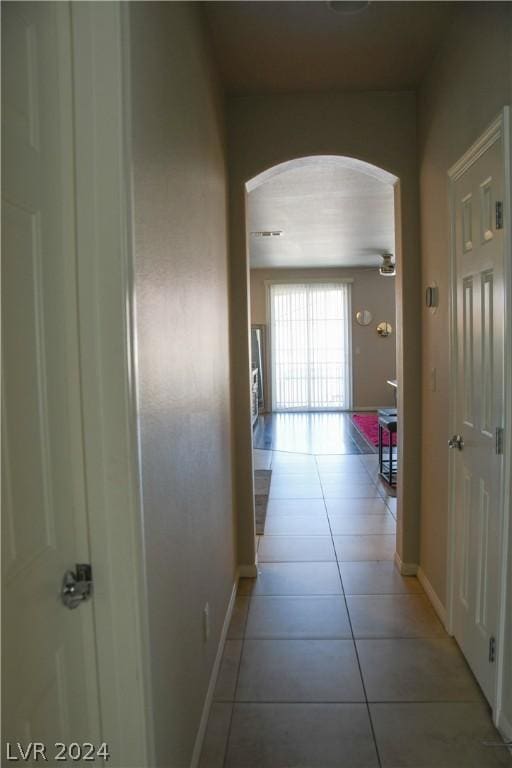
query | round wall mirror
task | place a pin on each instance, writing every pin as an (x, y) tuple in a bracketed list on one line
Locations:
[(384, 329), (364, 317)]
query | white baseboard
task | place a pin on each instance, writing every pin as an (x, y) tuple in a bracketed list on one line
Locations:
[(406, 569), (196, 754), (432, 596), (248, 571), (504, 726), (363, 408)]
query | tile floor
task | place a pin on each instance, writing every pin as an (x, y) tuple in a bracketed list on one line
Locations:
[(317, 433), (332, 657)]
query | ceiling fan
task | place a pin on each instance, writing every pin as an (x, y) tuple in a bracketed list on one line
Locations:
[(387, 268)]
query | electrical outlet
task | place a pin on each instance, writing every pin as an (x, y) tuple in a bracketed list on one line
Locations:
[(206, 622)]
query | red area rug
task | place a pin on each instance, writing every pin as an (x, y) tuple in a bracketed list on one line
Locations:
[(368, 425)]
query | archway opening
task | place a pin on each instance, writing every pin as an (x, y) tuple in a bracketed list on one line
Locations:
[(323, 334)]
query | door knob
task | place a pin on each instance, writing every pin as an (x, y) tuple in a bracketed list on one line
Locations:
[(456, 442), (77, 586)]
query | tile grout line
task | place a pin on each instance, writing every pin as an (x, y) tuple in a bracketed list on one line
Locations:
[(347, 638), (333, 560), (372, 729), (343, 596), (228, 735), (407, 702), (344, 637)]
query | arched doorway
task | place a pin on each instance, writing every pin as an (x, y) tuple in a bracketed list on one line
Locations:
[(408, 512), (329, 218)]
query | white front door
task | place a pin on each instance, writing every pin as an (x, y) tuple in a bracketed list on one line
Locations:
[(479, 407), (49, 668)]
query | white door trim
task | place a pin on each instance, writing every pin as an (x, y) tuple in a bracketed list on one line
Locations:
[(499, 130), (505, 623), (105, 297)]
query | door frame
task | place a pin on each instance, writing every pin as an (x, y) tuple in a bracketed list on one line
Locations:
[(101, 103), (500, 129), (408, 523)]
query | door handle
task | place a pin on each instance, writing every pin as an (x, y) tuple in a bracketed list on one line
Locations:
[(456, 442), (76, 586)]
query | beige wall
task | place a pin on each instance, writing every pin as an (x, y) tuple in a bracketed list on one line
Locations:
[(467, 86), (456, 105), (182, 360), (373, 358), (379, 128)]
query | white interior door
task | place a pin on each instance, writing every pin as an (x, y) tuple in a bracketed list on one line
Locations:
[(311, 346), (479, 409), (49, 669)]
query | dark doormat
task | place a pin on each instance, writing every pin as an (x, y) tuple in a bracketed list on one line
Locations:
[(261, 491)]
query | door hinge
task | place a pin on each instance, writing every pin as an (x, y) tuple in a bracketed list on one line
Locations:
[(499, 440), (499, 214), (492, 650)]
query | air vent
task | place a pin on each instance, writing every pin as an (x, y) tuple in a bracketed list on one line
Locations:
[(267, 233)]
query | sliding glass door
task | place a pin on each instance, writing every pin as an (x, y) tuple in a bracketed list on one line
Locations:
[(311, 346)]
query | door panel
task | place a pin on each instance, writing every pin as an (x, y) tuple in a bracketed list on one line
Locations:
[(25, 384), (49, 681), (479, 409)]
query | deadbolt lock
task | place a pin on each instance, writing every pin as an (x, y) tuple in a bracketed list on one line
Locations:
[(456, 442)]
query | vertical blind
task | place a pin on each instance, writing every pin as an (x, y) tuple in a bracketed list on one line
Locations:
[(311, 346)]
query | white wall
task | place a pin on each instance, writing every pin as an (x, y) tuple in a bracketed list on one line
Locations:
[(181, 285), (468, 84), (373, 357)]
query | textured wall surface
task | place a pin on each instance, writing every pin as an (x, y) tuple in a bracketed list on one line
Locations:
[(182, 360), (456, 105), (373, 358), (468, 84)]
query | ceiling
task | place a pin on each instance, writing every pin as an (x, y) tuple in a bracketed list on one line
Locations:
[(332, 212), (301, 46)]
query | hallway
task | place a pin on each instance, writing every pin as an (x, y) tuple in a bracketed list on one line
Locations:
[(213, 211), (333, 658)]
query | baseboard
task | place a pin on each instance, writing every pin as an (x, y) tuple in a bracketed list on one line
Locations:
[(196, 754), (505, 728), (406, 569), (248, 571), (432, 596), (363, 408)]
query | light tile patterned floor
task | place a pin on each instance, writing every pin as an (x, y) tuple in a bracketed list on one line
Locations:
[(333, 658)]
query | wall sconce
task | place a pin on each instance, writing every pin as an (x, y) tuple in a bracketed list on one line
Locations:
[(384, 329)]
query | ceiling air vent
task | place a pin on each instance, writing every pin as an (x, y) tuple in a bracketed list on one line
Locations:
[(387, 268), (268, 233)]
